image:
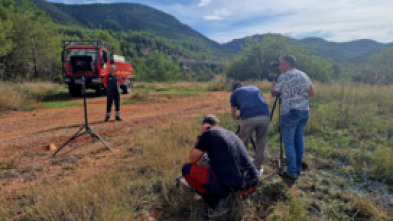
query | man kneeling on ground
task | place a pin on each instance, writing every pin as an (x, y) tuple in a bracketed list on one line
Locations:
[(231, 169)]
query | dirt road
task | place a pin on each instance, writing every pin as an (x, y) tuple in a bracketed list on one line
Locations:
[(25, 136)]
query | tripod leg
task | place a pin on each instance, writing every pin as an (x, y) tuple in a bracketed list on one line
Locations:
[(69, 140), (93, 133), (253, 143), (238, 129), (281, 160), (85, 126)]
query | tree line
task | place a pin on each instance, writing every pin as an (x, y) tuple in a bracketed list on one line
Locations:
[(29, 42), (31, 48)]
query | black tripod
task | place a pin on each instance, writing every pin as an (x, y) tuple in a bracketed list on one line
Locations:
[(86, 127), (281, 159)]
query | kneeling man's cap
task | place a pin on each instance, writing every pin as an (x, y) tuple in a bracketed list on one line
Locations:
[(236, 85), (210, 119)]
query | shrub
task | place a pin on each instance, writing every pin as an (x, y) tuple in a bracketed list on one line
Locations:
[(382, 166), (17, 96), (11, 99), (38, 90)]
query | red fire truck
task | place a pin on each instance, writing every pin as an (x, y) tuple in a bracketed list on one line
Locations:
[(90, 61)]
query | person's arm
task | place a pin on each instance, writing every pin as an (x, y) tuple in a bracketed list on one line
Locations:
[(234, 113), (234, 105), (119, 79), (104, 81), (196, 154), (274, 90)]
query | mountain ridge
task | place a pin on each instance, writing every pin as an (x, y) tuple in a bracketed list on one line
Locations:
[(337, 51), (128, 17)]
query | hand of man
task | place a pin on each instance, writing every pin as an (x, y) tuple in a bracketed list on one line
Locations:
[(234, 113), (205, 127)]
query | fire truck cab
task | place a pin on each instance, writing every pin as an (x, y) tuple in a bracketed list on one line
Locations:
[(89, 62)]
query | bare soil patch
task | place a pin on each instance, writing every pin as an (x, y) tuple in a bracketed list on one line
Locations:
[(24, 137)]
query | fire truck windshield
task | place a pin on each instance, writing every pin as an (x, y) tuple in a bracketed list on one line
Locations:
[(91, 52)]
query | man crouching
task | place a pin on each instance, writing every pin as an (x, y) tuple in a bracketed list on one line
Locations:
[(230, 171)]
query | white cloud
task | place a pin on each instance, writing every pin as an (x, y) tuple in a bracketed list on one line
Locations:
[(212, 17), (204, 3), (343, 20), (218, 14)]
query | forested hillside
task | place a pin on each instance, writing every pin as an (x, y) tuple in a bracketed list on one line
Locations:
[(363, 61), (338, 52), (55, 13), (29, 42), (32, 44), (258, 55), (375, 68), (131, 17)]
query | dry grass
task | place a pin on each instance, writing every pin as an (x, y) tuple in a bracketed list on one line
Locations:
[(219, 83), (97, 198), (166, 86), (382, 167), (264, 86), (139, 185), (169, 150), (11, 99), (142, 181), (362, 112), (364, 209), (38, 90), (134, 188), (294, 210), (16, 96)]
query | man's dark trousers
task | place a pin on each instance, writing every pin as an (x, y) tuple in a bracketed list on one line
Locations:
[(112, 96)]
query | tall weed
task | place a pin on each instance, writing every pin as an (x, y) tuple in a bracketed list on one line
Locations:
[(104, 196), (296, 210), (11, 99), (345, 118), (355, 119), (382, 165), (37, 90), (17, 96), (129, 190)]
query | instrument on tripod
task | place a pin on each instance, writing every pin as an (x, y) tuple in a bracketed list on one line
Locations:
[(87, 129)]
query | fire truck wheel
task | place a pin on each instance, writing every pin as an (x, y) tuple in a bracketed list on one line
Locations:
[(74, 90), (100, 91)]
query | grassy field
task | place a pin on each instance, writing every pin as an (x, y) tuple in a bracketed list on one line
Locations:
[(349, 173), (34, 95)]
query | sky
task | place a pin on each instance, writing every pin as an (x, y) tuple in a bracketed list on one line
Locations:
[(225, 20)]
